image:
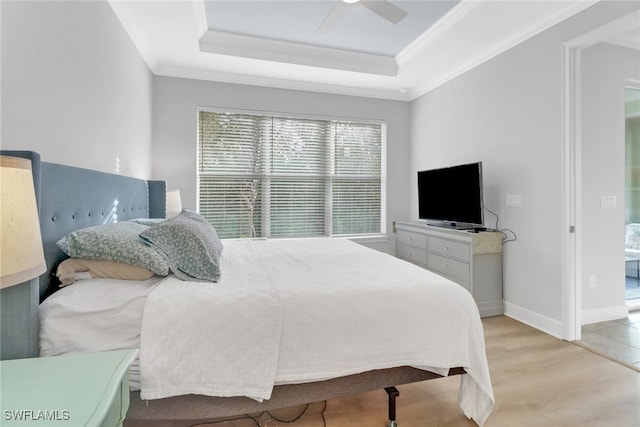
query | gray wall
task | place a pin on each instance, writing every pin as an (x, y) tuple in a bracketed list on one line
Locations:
[(508, 113), (176, 103), (74, 87), (76, 90)]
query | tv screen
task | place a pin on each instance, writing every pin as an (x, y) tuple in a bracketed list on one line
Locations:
[(452, 196)]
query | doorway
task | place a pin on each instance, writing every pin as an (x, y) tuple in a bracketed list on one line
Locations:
[(632, 197), (576, 281), (594, 116)]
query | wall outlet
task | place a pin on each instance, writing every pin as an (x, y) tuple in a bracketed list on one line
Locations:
[(592, 280)]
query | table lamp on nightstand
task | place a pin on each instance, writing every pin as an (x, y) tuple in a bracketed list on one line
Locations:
[(21, 254), (174, 204)]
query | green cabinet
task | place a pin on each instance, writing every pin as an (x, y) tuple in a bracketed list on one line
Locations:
[(80, 389)]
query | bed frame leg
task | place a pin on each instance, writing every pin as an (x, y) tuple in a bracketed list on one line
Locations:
[(393, 393)]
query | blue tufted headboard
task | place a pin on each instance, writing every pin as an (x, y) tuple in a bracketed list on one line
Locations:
[(70, 198)]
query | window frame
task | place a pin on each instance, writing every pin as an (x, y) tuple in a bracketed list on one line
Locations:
[(329, 176)]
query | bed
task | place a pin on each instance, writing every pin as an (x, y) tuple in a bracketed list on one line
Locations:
[(302, 320)]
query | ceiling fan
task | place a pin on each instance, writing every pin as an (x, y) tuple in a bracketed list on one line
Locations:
[(383, 8)]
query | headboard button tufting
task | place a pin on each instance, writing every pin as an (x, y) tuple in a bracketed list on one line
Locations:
[(83, 198)]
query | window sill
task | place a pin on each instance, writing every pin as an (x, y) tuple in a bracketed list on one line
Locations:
[(371, 238), (374, 238)]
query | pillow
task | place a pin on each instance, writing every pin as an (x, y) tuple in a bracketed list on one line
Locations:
[(117, 242), (72, 269), (189, 244), (147, 221)]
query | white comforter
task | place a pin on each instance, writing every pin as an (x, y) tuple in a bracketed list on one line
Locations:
[(291, 311)]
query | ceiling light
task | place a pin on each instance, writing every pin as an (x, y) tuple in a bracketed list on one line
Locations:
[(351, 1)]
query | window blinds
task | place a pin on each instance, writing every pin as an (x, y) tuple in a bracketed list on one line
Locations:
[(270, 176)]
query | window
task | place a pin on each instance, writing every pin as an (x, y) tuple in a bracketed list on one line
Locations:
[(276, 176)]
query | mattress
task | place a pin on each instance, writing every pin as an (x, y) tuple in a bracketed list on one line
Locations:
[(284, 311)]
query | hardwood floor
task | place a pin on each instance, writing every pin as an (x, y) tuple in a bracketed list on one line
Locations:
[(538, 380)]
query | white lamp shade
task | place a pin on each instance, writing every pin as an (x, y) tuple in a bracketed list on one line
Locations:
[(21, 254), (174, 204)]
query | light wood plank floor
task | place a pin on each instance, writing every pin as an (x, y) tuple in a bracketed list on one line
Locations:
[(538, 380)]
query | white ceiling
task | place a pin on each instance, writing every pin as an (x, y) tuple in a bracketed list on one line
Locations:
[(275, 44)]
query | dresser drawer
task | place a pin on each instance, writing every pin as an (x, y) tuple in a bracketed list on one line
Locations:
[(414, 255), (450, 248), (412, 239), (449, 267)]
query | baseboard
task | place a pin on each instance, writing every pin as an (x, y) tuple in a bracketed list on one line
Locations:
[(545, 324), (604, 314), (632, 304)]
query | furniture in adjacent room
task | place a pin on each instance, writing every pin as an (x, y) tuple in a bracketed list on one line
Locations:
[(83, 389), (634, 262), (473, 260), (632, 250)]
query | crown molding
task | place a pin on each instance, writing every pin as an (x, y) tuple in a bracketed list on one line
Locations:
[(286, 84), (224, 43), (437, 30), (174, 40), (465, 22)]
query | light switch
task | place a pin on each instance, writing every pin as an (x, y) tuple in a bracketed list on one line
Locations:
[(514, 200), (607, 202)]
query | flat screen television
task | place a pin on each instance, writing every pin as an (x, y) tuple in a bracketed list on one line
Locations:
[(452, 196)]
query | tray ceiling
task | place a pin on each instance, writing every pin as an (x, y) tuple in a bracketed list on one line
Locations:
[(275, 43)]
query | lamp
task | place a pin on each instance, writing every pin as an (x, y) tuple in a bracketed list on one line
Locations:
[(174, 204), (21, 254)]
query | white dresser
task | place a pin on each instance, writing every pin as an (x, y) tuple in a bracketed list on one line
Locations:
[(473, 260)]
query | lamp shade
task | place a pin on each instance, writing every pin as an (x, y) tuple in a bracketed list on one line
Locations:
[(174, 204), (21, 254)]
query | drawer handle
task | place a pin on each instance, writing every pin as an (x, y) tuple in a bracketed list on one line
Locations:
[(446, 266), (446, 248)]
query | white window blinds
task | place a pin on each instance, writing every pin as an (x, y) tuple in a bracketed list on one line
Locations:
[(269, 176)]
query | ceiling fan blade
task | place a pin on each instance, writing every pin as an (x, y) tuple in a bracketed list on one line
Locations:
[(385, 9), (332, 17)]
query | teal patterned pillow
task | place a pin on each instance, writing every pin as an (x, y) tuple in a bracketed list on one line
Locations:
[(114, 242), (190, 245), (147, 221)]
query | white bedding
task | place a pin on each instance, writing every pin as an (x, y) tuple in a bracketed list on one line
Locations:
[(95, 315), (291, 311)]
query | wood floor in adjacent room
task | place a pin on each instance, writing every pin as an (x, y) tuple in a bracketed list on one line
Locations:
[(538, 380)]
